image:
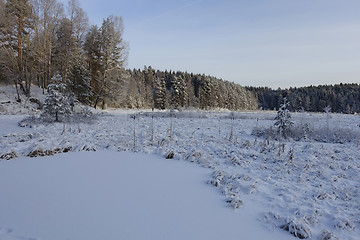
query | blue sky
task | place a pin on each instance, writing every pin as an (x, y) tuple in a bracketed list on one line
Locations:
[(274, 43)]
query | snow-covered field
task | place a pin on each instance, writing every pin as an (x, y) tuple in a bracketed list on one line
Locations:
[(112, 195), (307, 188)]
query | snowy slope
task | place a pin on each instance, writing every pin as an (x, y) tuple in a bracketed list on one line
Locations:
[(111, 195), (9, 105)]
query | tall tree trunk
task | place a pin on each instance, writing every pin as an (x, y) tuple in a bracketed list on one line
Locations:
[(20, 44), (43, 82), (49, 65), (20, 60), (17, 91), (99, 93)]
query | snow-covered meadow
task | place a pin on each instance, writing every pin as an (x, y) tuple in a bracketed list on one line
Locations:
[(112, 195), (309, 188)]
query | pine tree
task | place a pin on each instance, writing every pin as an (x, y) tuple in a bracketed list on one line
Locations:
[(106, 53), (92, 49), (57, 103), (283, 119), (79, 79)]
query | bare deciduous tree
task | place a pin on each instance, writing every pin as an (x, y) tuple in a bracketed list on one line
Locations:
[(16, 26)]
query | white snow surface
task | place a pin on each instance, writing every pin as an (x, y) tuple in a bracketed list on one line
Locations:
[(284, 188), (112, 195)]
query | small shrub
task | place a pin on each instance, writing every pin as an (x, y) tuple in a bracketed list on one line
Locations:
[(297, 228), (193, 156), (218, 178), (235, 202), (283, 120), (170, 155), (326, 235), (8, 156), (343, 224), (41, 153)]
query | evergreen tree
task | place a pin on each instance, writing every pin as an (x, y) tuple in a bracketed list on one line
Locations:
[(79, 80), (148, 85), (283, 120), (178, 92), (63, 42), (160, 93), (92, 48), (113, 48), (57, 103), (206, 93), (106, 53)]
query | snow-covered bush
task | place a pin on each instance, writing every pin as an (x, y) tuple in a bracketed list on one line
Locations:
[(58, 103), (235, 202), (326, 235), (297, 227), (283, 120), (218, 178)]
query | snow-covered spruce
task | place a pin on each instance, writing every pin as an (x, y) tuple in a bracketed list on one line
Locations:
[(283, 120), (58, 102)]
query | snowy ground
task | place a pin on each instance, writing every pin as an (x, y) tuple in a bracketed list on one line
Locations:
[(111, 195), (9, 105), (308, 188)]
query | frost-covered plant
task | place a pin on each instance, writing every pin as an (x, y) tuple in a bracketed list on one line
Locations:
[(298, 228), (327, 110), (57, 102), (283, 120), (326, 235), (232, 117), (234, 202)]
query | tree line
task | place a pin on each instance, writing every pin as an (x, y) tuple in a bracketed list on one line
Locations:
[(341, 98), (149, 88), (40, 39)]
